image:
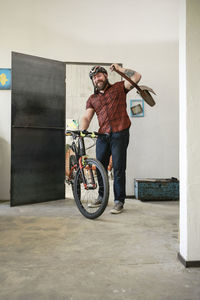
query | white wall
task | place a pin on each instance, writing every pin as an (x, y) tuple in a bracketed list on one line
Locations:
[(5, 130), (189, 142), (183, 130), (153, 150), (143, 35), (193, 112)]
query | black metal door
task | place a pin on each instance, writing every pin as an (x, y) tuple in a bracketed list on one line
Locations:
[(37, 132)]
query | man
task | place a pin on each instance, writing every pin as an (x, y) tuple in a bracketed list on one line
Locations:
[(109, 103)]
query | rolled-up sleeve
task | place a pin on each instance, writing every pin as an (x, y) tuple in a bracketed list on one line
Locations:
[(89, 104)]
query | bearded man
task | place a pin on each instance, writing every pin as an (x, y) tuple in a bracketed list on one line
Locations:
[(109, 104)]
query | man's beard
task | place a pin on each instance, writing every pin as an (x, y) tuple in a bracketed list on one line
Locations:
[(101, 84)]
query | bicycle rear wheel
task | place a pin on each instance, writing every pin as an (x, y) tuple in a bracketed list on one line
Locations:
[(96, 185)]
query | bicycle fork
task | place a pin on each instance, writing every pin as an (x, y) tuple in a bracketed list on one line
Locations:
[(89, 182)]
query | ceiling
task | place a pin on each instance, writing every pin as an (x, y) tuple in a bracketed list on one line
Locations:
[(104, 20)]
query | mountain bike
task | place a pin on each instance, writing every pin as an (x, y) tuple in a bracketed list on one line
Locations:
[(87, 176)]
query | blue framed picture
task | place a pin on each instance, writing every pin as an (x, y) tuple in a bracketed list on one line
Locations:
[(5, 79), (137, 108)]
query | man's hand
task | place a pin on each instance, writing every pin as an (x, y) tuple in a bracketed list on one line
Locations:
[(115, 66)]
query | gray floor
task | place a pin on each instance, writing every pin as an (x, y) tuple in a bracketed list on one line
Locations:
[(50, 251)]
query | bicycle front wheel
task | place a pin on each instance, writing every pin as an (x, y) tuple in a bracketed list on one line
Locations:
[(72, 163), (91, 183)]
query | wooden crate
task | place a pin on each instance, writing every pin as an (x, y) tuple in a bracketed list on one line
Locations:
[(156, 189)]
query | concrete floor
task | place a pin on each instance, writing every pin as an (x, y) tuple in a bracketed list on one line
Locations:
[(50, 251)]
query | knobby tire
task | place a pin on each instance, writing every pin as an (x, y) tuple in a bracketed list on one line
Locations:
[(83, 197)]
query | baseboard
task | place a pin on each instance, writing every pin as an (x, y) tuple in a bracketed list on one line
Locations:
[(130, 196), (187, 263)]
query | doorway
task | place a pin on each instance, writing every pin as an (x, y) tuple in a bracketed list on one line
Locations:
[(78, 89)]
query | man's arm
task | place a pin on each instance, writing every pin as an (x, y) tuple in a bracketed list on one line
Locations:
[(133, 75), (86, 119)]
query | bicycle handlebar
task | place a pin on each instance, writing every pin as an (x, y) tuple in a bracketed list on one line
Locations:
[(83, 133)]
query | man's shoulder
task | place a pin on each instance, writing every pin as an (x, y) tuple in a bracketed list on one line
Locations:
[(118, 87), (91, 97), (118, 84)]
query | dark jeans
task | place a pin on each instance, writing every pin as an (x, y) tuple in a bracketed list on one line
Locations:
[(115, 144)]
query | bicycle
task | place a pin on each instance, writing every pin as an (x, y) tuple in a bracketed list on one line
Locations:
[(87, 176)]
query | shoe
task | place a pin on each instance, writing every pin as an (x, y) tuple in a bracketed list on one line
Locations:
[(96, 203), (118, 208)]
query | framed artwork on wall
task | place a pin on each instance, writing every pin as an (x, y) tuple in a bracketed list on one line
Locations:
[(5, 79), (137, 108)]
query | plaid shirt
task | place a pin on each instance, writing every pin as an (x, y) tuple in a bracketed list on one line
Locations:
[(110, 108)]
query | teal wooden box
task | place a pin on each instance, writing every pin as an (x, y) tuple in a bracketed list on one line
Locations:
[(156, 189)]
